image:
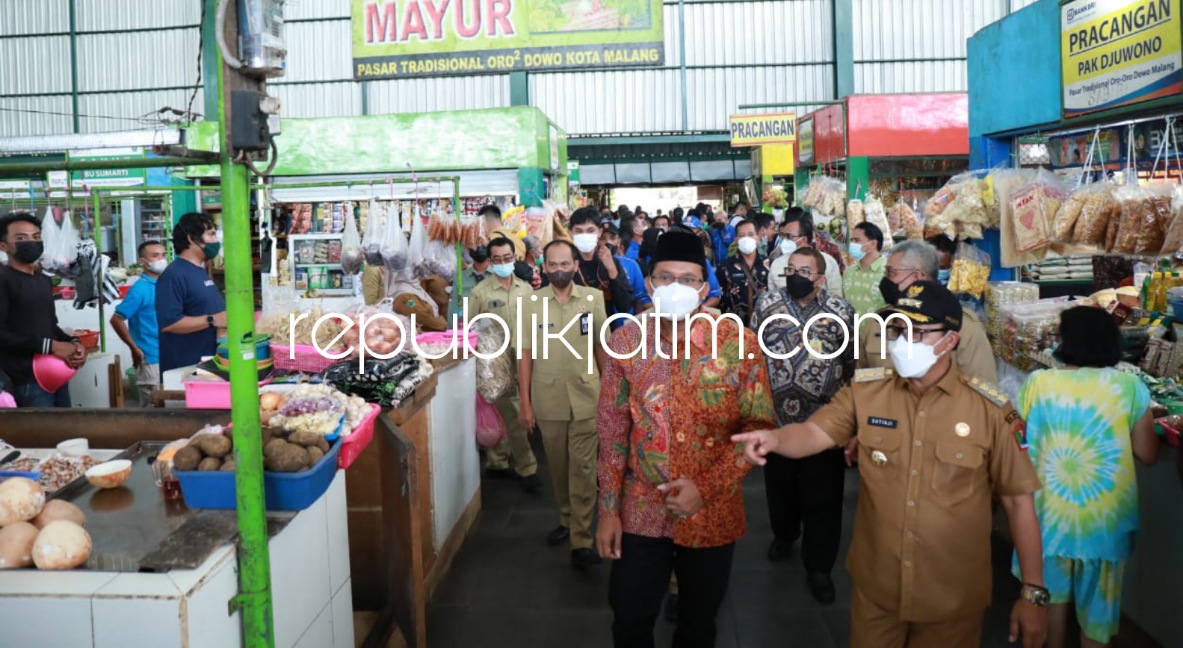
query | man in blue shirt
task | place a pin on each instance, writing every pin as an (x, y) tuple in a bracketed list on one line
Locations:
[(189, 308), (138, 313), (636, 278)]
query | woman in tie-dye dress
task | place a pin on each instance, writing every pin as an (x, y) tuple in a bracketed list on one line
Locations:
[(1085, 424)]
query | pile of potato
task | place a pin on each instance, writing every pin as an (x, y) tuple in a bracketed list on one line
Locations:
[(282, 452)]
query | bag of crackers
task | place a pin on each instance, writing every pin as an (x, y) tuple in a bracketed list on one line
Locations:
[(1146, 217), (1033, 208), (970, 272)]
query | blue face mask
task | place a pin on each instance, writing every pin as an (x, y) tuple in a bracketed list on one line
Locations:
[(856, 251), (502, 270), (943, 276)]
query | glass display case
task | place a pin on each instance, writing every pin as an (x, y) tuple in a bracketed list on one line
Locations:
[(315, 264)]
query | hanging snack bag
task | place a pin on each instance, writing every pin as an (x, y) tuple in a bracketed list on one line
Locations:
[(1159, 218), (1033, 207), (855, 214), (970, 272), (1138, 213), (874, 213), (1173, 244)]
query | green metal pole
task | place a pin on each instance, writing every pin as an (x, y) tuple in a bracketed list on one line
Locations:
[(254, 563)]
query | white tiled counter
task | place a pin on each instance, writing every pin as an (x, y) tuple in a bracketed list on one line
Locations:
[(310, 589)]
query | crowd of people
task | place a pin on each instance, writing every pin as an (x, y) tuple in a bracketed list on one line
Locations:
[(169, 318), (647, 452)]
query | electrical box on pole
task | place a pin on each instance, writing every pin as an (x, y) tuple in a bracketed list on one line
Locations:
[(250, 38)]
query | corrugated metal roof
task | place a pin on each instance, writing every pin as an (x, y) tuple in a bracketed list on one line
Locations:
[(32, 65), (318, 99), (444, 93), (318, 51), (737, 33), (1015, 5), (33, 17), (927, 76), (167, 59), (306, 9), (632, 101), (716, 93), (14, 124), (918, 29), (95, 15), (110, 112)]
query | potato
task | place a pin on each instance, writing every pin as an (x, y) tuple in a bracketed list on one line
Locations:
[(61, 545), (59, 510), (304, 438), (21, 500), (228, 465), (187, 458), (315, 455), (289, 459), (323, 444), (273, 447), (216, 445), (209, 464)]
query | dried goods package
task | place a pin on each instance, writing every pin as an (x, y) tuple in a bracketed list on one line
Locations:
[(1033, 207)]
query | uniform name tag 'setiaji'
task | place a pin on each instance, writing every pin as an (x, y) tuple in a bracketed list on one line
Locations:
[(882, 422)]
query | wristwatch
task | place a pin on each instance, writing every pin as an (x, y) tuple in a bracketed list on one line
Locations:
[(1036, 595), (209, 319)]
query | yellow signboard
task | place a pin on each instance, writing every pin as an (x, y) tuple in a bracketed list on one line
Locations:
[(754, 130), (1119, 52)]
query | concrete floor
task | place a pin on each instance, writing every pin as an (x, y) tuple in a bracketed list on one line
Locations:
[(507, 588)]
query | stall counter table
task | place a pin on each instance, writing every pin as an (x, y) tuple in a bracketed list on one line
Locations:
[(310, 587)]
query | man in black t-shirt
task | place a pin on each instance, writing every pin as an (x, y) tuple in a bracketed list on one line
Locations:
[(28, 321)]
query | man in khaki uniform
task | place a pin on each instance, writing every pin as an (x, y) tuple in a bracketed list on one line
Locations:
[(934, 442), (564, 391), (499, 294), (913, 261)]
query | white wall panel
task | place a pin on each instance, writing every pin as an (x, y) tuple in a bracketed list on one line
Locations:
[(119, 111), (318, 51), (928, 76), (633, 101), (916, 29), (33, 17), (737, 33), (32, 65), (439, 94), (716, 93), (137, 60), (306, 9), (318, 99), (1015, 5), (15, 124), (102, 15)]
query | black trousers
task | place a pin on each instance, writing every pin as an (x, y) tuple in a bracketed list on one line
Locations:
[(808, 493), (641, 578)]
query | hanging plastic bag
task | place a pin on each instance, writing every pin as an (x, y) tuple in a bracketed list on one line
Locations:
[(372, 241), (1033, 208), (439, 259), (490, 427), (418, 244), (874, 213), (970, 272), (50, 233), (909, 224), (351, 253), (395, 256)]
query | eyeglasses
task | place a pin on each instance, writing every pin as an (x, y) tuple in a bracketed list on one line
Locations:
[(917, 335), (803, 272), (665, 279), (892, 273), (508, 258)]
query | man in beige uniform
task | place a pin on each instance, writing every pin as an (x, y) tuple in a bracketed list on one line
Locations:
[(934, 443), (564, 390), (499, 294), (909, 262)]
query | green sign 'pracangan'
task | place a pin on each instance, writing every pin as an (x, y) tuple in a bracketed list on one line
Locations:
[(418, 38)]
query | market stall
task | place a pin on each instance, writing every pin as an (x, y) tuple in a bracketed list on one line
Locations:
[(1089, 207)]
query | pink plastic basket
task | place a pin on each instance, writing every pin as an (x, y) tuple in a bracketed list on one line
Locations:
[(307, 360), (445, 337), (353, 444)]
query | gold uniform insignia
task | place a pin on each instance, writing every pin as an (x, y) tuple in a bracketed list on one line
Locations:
[(871, 374), (989, 390)]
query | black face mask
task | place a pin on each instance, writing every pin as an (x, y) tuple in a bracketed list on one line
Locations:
[(890, 291), (798, 287), (612, 249), (560, 278), (28, 251)]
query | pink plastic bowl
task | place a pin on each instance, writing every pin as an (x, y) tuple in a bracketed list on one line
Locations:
[(51, 372)]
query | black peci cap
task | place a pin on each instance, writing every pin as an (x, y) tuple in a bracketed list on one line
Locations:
[(928, 302)]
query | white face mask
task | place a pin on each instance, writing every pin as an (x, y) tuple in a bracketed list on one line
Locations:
[(157, 266), (923, 357), (586, 242), (787, 246), (746, 245), (675, 301)]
